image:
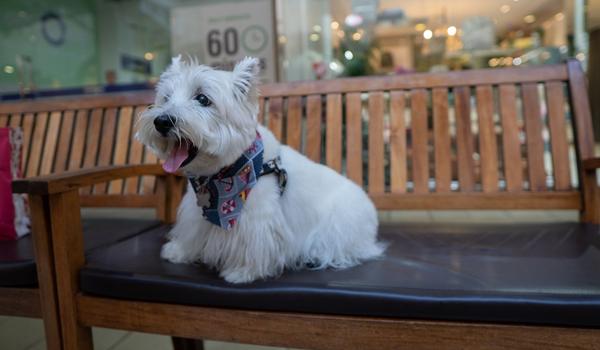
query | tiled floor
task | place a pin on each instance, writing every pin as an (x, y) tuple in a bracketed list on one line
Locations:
[(27, 334)]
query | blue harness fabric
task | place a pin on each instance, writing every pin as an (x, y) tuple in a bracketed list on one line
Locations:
[(229, 188)]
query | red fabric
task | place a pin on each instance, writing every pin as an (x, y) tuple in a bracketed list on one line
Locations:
[(7, 208)]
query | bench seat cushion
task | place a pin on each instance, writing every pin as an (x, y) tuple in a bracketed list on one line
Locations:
[(17, 265), (511, 273)]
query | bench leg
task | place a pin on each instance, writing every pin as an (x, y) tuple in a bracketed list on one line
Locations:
[(187, 344)]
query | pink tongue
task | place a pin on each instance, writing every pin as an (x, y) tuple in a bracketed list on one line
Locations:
[(177, 156)]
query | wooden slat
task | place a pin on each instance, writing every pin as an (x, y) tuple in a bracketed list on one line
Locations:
[(107, 143), (276, 117), (49, 148), (376, 146), (398, 165), (333, 140), (487, 139), (92, 141), (122, 144), (15, 120), (313, 128), (64, 141), (419, 136), (327, 331), (294, 123), (533, 135), (149, 182), (22, 302), (37, 142), (584, 140), (78, 144), (465, 146), (558, 135), (441, 137), (4, 120), (354, 163), (136, 152), (261, 111), (109, 100), (513, 166), (417, 81), (27, 125), (479, 200), (119, 200)]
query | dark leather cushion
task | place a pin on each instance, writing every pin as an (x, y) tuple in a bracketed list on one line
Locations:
[(521, 273), (17, 265)]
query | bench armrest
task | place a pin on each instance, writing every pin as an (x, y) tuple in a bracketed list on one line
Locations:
[(56, 183), (591, 164)]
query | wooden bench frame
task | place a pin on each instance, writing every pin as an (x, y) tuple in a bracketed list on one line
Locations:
[(54, 196)]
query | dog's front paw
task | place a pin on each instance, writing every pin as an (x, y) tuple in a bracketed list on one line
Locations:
[(174, 252), (239, 275)]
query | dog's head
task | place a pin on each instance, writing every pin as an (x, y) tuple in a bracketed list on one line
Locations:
[(202, 118)]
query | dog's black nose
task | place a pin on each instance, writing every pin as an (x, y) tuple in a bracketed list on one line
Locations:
[(164, 123)]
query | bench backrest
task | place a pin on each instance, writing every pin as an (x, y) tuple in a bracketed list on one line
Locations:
[(485, 139)]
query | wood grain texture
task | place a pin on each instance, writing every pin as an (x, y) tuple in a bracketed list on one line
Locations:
[(4, 120), (64, 223), (535, 143), (64, 142), (465, 143), (398, 163), (416, 81), (92, 141), (119, 200), (327, 331), (488, 150), (15, 120), (419, 138), (46, 269), (584, 139), (276, 117), (49, 149), (479, 201), (122, 142), (107, 144), (294, 123), (441, 137), (27, 126), (333, 132), (558, 135), (376, 145), (511, 143), (354, 159), (57, 183), (37, 144), (149, 182), (78, 144), (313, 128), (136, 153), (20, 302)]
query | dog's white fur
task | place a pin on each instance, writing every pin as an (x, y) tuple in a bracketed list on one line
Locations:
[(321, 220)]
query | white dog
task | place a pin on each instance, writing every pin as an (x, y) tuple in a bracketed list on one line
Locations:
[(247, 224)]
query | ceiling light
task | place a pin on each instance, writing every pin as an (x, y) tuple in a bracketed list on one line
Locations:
[(356, 36), (452, 30), (428, 34), (317, 28), (529, 19), (335, 25), (504, 8), (9, 69), (349, 55), (148, 56), (314, 37)]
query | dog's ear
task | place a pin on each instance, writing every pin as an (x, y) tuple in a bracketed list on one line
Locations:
[(245, 74)]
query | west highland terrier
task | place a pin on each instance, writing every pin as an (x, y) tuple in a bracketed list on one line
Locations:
[(253, 207)]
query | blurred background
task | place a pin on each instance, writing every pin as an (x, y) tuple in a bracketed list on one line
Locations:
[(57, 47)]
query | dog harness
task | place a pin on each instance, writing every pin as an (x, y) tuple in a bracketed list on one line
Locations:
[(229, 188)]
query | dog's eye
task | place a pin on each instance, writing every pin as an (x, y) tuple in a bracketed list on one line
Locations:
[(203, 100)]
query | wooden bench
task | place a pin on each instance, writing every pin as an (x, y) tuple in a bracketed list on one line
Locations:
[(66, 135), (460, 140)]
